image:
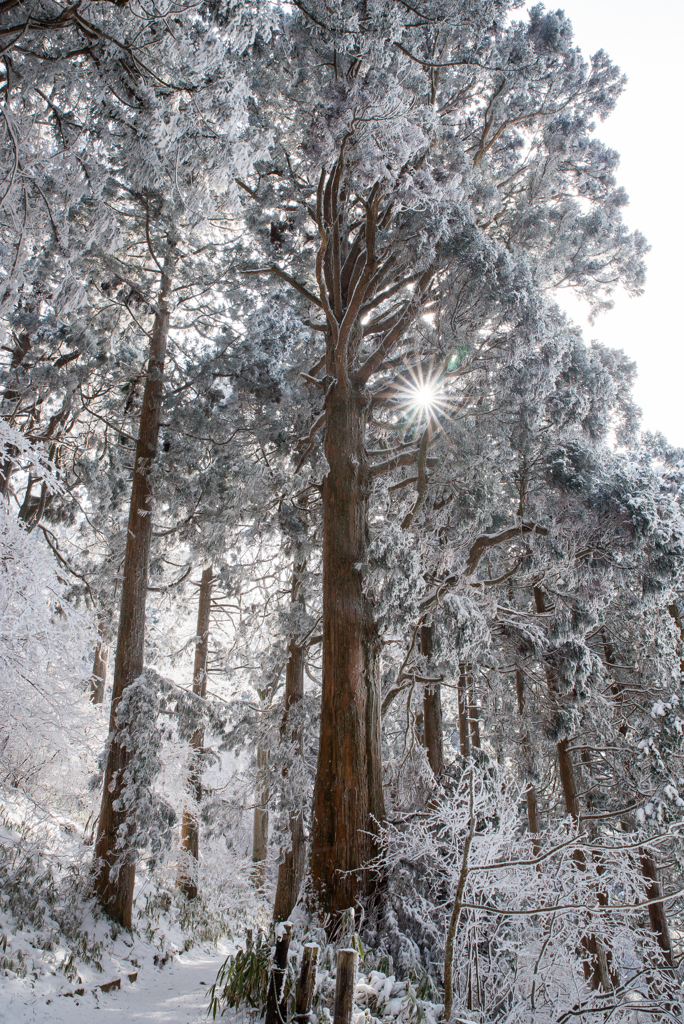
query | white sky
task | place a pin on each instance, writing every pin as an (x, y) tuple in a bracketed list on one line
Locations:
[(644, 38)]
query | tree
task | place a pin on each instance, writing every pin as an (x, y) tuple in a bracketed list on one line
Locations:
[(415, 172), (43, 643), (187, 872)]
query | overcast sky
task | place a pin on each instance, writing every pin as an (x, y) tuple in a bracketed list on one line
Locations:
[(645, 37)]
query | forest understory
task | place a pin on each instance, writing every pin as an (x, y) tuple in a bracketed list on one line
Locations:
[(341, 592)]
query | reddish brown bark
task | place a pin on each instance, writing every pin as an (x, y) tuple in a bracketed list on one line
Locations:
[(187, 869), (114, 879), (354, 276), (291, 867), (348, 790)]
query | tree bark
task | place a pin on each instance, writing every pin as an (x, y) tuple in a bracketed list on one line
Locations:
[(433, 730), (21, 349), (531, 793), (115, 870), (291, 867), (598, 965), (473, 716), (463, 716), (656, 911), (98, 680), (348, 789), (188, 865), (293, 861), (260, 830)]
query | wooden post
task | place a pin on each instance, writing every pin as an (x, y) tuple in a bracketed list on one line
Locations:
[(276, 1009), (345, 986), (307, 983)]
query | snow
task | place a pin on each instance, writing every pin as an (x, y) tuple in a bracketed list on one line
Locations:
[(176, 993)]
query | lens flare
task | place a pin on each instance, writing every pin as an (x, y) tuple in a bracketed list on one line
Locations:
[(424, 396)]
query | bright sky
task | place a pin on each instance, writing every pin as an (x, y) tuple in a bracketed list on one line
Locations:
[(644, 37)]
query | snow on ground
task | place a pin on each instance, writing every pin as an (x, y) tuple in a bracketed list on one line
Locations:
[(174, 993)]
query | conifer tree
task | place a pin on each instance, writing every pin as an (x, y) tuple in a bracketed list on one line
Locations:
[(404, 225)]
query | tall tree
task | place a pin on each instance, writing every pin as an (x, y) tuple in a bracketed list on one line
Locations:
[(188, 866), (417, 172)]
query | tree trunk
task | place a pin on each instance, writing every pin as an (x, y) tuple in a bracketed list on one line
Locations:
[(531, 793), (291, 867), (260, 830), (348, 789), (293, 861), (98, 680), (115, 869), (597, 966), (433, 730), (187, 868), (656, 911), (463, 724), (474, 715), (21, 349)]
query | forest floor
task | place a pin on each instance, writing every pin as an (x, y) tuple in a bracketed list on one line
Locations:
[(175, 992)]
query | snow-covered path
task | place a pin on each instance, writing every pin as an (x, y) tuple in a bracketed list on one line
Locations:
[(176, 993)]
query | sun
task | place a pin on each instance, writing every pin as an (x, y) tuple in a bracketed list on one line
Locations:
[(424, 396), (421, 395)]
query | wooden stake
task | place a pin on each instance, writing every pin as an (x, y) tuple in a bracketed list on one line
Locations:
[(276, 1008), (307, 983), (345, 986)]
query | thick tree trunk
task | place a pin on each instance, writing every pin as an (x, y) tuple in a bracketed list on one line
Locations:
[(115, 869), (433, 729), (187, 868), (348, 789)]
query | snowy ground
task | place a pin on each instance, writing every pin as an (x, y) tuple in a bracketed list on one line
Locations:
[(175, 993)]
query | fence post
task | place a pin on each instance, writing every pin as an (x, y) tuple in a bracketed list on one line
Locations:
[(307, 983), (345, 986), (276, 1010)]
